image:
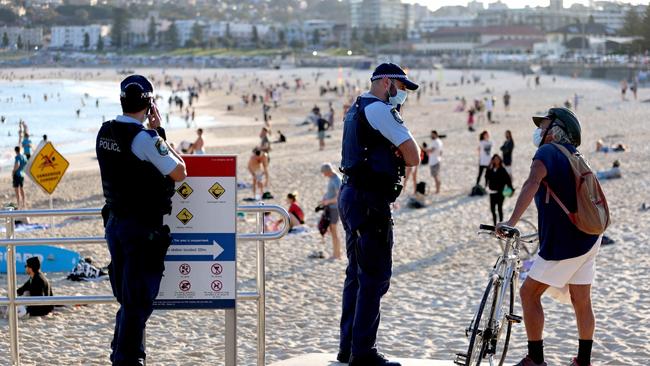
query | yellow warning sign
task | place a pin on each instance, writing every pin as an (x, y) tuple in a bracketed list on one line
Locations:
[(47, 167), (184, 190), (216, 190), (184, 216)]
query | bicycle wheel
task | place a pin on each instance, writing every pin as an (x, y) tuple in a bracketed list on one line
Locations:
[(480, 327), (527, 250), (499, 342)]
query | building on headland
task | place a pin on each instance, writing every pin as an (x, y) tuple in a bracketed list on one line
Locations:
[(373, 14), (20, 37), (78, 37), (138, 33)]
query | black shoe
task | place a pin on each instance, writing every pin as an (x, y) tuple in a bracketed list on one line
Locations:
[(372, 359), (343, 357)]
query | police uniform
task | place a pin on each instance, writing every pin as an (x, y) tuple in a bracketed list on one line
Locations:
[(134, 164), (373, 129)]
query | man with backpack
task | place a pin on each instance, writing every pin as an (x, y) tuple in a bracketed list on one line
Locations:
[(573, 214)]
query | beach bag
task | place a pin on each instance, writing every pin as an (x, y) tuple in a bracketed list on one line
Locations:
[(477, 190), (324, 222), (507, 192), (592, 214)]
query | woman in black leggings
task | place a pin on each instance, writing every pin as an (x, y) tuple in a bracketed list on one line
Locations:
[(497, 179)]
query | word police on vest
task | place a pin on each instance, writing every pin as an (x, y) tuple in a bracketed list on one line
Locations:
[(108, 144)]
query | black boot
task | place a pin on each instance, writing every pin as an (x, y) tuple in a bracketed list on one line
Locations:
[(371, 359), (343, 357)]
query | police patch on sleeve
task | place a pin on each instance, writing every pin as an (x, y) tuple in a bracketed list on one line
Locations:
[(161, 146), (397, 116)]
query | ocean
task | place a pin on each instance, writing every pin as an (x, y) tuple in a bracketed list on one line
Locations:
[(49, 107)]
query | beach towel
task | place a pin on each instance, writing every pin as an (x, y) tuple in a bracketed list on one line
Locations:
[(22, 228), (85, 271)]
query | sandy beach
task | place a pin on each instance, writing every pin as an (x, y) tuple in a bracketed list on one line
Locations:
[(440, 265)]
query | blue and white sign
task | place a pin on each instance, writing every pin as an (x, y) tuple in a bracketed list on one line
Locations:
[(200, 266)]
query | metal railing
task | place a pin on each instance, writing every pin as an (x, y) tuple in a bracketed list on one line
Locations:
[(12, 301)]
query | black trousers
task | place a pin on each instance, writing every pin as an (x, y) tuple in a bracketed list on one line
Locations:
[(496, 203), (481, 169)]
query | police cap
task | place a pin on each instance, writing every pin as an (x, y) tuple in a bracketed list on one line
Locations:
[(135, 93), (393, 71)]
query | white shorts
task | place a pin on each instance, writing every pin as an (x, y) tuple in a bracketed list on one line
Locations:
[(560, 274)]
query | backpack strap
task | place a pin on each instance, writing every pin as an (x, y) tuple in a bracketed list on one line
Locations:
[(550, 192)]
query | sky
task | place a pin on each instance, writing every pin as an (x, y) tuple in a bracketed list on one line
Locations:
[(435, 4)]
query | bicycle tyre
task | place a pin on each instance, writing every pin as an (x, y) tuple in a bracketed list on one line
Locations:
[(476, 350), (509, 305)]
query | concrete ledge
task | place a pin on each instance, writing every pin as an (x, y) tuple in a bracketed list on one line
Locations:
[(318, 359)]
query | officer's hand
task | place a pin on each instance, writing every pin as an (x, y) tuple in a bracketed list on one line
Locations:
[(154, 116)]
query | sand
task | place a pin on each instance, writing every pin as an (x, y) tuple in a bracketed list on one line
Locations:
[(440, 265)]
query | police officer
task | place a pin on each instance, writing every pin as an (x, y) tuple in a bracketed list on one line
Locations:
[(138, 171), (376, 148)]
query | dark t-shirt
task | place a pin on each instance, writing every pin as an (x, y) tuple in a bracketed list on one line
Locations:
[(559, 237)]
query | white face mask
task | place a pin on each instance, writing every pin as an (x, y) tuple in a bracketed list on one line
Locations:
[(537, 137), (399, 98)]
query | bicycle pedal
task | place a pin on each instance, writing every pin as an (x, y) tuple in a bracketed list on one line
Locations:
[(514, 318), (461, 359)]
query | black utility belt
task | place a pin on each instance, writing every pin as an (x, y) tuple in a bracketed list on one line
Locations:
[(388, 190)]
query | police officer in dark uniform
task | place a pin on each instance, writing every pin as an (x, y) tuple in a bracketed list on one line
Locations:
[(138, 171), (376, 148)]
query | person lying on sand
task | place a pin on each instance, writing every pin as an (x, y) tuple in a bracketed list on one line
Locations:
[(601, 147), (613, 173)]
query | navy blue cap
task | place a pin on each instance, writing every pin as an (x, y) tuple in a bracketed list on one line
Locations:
[(136, 83), (392, 71)]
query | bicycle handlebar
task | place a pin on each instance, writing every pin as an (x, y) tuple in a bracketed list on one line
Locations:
[(507, 231)]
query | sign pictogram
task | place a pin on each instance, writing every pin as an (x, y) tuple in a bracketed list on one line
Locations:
[(216, 269), (184, 190), (184, 269), (47, 168), (217, 190), (216, 285), (184, 216), (185, 285)]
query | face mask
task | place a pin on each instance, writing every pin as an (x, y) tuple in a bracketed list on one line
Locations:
[(399, 98), (537, 137)]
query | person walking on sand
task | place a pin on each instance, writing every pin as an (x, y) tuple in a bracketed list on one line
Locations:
[(506, 149), (375, 150), (435, 158), (506, 101), (18, 178), (623, 89), (258, 166), (330, 203), (484, 154), (497, 178), (566, 262)]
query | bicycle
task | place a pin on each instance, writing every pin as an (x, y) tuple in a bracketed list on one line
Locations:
[(494, 317)]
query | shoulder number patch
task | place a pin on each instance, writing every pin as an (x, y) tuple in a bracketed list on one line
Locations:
[(161, 146), (397, 116)]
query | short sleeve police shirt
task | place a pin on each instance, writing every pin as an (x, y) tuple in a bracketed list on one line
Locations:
[(559, 237), (152, 148), (385, 119)]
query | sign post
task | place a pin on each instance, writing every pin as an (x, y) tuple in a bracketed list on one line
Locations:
[(200, 266), (46, 168)]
